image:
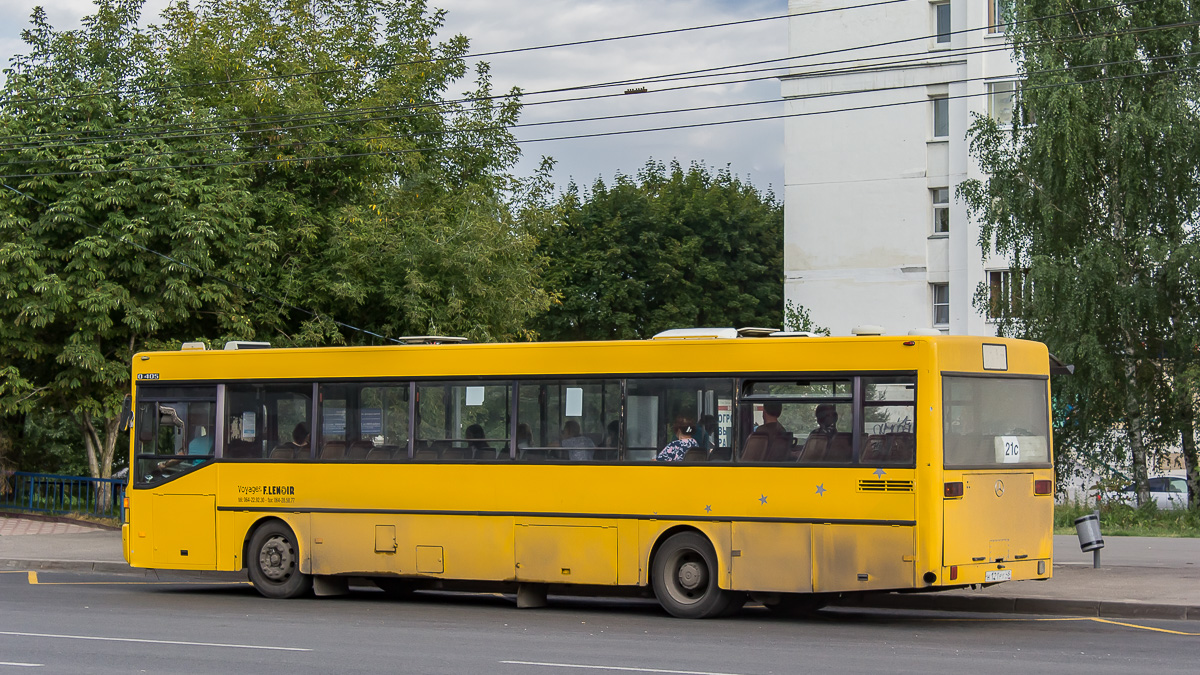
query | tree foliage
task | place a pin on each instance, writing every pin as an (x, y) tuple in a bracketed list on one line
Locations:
[(672, 248), (1096, 201), (288, 170)]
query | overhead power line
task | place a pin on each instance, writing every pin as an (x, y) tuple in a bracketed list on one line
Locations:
[(498, 52), (345, 115), (623, 132), (296, 144), (712, 71)]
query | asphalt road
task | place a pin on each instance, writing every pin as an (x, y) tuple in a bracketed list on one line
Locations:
[(76, 623)]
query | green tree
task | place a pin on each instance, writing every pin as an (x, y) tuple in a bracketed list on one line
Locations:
[(1098, 200), (669, 249), (391, 202), (77, 295), (299, 168)]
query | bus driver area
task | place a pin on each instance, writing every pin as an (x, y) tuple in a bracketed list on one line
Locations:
[(818, 466)]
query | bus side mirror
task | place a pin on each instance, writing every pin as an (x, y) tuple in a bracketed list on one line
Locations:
[(126, 412), (145, 422)]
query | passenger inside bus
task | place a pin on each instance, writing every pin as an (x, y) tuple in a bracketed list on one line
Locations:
[(580, 447), (825, 443), (684, 441), (770, 442)]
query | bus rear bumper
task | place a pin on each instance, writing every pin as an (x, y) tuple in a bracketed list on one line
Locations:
[(996, 572)]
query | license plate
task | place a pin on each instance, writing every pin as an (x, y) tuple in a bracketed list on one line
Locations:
[(998, 575)]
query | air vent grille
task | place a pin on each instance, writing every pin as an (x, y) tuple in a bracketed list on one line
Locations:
[(872, 485)]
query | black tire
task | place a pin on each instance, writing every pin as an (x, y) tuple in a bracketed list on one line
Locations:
[(274, 562), (684, 576), (796, 604)]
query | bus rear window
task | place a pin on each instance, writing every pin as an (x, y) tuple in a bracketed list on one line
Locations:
[(990, 421)]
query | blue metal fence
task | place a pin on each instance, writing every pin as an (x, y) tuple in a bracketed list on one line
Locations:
[(48, 493)]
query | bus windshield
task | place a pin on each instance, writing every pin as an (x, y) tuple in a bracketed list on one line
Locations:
[(993, 421)]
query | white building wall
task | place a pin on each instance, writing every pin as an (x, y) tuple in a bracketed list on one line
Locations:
[(858, 235)]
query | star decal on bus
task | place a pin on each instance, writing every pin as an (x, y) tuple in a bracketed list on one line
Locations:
[(708, 508), (879, 472), (821, 490), (762, 499)]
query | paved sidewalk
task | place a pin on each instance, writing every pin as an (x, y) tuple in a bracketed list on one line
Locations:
[(14, 526), (1139, 577)]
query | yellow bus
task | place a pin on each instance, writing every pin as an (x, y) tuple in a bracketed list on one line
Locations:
[(703, 466)]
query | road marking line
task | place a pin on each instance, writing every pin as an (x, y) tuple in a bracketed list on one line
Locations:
[(1152, 628), (1076, 618), (153, 642), (621, 668), (22, 665), (32, 578)]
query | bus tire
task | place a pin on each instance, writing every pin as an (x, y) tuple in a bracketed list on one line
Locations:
[(684, 576), (274, 562)]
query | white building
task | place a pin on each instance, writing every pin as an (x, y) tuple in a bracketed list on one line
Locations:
[(873, 232)]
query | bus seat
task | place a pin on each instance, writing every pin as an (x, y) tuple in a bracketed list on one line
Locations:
[(841, 450), (695, 455), (282, 452), (814, 448), (874, 452), (376, 455), (426, 455), (333, 450), (242, 449), (359, 449), (901, 447), (454, 453)]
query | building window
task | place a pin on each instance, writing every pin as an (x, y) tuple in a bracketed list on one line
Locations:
[(941, 209), (1001, 98), (999, 15), (942, 17), (941, 117), (941, 304), (1008, 291)]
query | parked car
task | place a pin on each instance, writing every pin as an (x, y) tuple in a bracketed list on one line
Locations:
[(1169, 492)]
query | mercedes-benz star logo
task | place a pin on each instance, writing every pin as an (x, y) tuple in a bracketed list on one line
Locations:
[(999, 488)]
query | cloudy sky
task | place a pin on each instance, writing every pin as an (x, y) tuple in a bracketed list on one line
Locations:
[(752, 150)]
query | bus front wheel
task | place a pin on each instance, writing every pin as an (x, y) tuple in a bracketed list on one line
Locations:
[(684, 575), (274, 562)]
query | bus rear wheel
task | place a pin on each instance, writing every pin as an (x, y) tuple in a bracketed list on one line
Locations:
[(274, 562), (684, 575)]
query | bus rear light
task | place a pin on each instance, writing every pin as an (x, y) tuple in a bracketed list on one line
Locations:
[(954, 489), (953, 572), (1043, 487)]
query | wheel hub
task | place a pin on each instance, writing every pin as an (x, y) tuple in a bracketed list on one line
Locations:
[(276, 559), (692, 576)]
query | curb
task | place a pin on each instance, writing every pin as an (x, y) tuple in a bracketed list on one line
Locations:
[(1104, 609), (106, 567)]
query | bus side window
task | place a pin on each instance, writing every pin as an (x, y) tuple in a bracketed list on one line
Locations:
[(653, 407)]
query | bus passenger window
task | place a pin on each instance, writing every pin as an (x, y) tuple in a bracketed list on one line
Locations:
[(571, 420), (653, 406), (268, 421), (889, 414), (364, 422), (463, 421)]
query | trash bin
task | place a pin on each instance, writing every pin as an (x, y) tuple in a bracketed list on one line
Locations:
[(1088, 529)]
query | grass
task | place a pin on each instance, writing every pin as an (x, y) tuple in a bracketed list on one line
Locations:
[(1122, 520)]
